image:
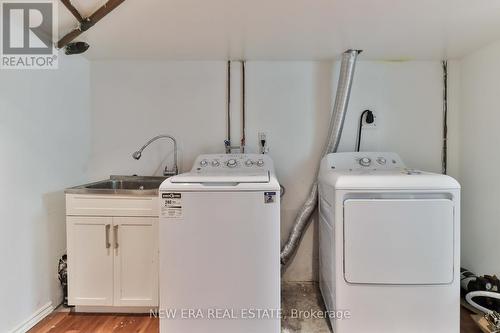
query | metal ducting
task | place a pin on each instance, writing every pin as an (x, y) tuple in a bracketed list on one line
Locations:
[(336, 124)]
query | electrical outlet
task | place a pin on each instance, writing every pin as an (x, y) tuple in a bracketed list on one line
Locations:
[(372, 125), (263, 143)]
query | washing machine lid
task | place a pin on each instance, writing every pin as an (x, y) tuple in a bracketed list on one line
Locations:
[(222, 177)]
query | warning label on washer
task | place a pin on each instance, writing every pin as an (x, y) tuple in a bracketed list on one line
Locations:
[(172, 205)]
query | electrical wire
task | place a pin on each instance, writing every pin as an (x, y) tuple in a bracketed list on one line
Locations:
[(360, 126)]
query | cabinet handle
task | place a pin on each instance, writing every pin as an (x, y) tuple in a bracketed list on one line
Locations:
[(115, 234), (108, 244)]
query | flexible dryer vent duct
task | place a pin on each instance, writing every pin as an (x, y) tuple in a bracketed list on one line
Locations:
[(336, 124)]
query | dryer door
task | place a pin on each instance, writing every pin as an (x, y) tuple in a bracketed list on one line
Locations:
[(398, 241)]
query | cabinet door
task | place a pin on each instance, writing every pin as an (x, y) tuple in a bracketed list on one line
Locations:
[(90, 260), (136, 261)]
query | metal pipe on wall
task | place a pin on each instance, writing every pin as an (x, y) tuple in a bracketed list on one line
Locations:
[(335, 130), (243, 105), (444, 157), (228, 116), (242, 142)]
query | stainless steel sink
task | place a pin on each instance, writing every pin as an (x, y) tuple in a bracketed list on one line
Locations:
[(130, 185)]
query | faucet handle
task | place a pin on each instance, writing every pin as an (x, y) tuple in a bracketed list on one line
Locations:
[(169, 173)]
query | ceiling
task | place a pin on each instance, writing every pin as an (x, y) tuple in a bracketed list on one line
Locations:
[(287, 29)]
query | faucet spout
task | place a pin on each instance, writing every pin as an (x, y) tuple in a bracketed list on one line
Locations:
[(167, 172)]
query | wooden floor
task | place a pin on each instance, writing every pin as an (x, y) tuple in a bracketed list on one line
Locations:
[(467, 325), (65, 322)]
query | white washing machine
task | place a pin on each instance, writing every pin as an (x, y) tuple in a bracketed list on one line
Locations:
[(220, 247), (389, 245)]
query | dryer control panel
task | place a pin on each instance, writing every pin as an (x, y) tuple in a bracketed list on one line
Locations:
[(365, 161), (211, 162)]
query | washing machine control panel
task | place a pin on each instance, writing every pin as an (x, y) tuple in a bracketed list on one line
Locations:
[(232, 161), (365, 161)]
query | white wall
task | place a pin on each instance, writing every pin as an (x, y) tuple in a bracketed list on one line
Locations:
[(478, 159), (291, 101), (134, 101), (407, 100), (45, 141)]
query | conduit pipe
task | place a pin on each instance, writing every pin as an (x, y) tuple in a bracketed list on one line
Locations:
[(444, 155), (228, 119), (243, 106), (336, 124)]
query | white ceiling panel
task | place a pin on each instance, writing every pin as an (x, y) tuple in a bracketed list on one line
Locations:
[(288, 29)]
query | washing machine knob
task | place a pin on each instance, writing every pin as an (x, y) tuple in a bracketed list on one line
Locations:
[(204, 163), (248, 163), (232, 163), (381, 161), (365, 161), (260, 162), (215, 163)]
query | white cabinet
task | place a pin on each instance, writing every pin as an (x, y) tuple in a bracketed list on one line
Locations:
[(136, 261), (112, 260), (90, 258)]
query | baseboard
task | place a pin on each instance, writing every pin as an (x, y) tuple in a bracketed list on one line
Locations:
[(34, 319), (115, 309)]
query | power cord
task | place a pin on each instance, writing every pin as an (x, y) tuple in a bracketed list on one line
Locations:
[(369, 119)]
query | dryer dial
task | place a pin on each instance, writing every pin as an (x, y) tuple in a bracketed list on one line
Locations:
[(365, 161), (232, 163)]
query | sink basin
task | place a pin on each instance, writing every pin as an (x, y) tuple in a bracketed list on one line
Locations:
[(134, 185), (125, 185)]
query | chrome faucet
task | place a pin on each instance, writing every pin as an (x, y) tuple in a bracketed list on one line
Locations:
[(137, 155)]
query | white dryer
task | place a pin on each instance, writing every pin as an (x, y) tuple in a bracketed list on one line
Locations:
[(220, 247), (389, 245)]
